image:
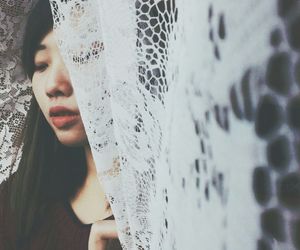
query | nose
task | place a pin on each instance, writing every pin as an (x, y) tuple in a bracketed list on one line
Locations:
[(59, 83)]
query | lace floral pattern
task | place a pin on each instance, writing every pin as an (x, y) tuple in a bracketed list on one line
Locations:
[(15, 92)]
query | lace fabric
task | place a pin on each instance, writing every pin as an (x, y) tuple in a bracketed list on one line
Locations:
[(15, 91), (193, 135)]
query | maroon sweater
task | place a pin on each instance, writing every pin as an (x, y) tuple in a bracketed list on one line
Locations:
[(68, 232)]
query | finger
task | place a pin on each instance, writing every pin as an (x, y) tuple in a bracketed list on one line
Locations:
[(99, 244), (106, 229)]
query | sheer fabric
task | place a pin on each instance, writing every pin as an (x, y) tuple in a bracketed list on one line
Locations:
[(191, 112), (15, 90)]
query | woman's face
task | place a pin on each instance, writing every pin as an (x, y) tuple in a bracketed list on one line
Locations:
[(54, 93)]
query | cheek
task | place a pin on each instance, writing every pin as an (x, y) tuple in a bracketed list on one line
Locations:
[(40, 97)]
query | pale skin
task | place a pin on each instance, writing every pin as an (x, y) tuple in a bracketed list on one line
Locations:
[(51, 86)]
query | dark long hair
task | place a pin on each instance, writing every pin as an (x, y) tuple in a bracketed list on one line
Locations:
[(48, 171)]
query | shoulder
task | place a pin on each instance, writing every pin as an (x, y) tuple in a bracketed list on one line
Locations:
[(6, 222), (4, 186), (4, 189), (6, 213)]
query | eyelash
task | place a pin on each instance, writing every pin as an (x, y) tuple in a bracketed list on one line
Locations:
[(40, 67)]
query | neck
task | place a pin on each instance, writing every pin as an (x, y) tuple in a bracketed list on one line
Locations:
[(90, 203), (91, 167)]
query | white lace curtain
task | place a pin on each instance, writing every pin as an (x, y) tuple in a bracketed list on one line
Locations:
[(191, 112)]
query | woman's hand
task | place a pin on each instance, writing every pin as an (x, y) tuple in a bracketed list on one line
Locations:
[(101, 231)]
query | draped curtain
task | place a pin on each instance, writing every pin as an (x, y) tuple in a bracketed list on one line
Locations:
[(191, 110), (15, 90)]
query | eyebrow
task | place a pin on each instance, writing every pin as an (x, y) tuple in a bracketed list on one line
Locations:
[(40, 47)]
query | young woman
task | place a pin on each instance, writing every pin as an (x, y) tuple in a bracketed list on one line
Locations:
[(54, 201)]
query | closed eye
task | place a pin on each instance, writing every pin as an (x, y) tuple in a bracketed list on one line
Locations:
[(40, 67)]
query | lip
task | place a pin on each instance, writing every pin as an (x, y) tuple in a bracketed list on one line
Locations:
[(62, 116)]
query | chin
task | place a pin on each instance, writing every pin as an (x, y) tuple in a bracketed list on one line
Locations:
[(72, 141)]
